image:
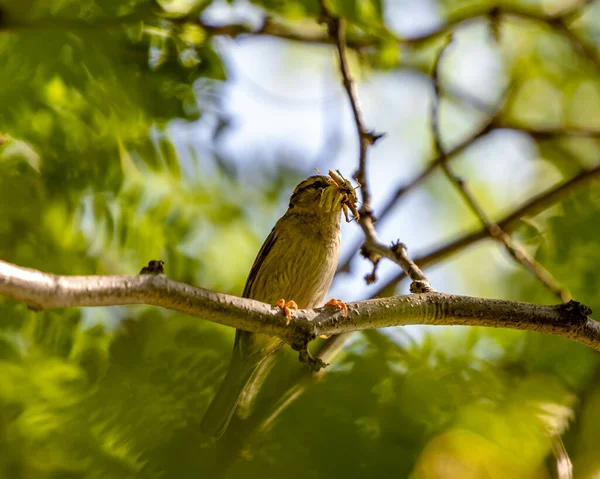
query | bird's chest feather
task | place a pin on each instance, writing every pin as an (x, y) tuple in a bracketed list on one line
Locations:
[(301, 265)]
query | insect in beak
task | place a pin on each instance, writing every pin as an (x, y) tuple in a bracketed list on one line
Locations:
[(348, 194)]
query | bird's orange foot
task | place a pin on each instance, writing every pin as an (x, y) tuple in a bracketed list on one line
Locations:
[(286, 307), (337, 303)]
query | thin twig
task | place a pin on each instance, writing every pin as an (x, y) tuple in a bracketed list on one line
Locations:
[(372, 248), (366, 138), (495, 232), (549, 133), (491, 124), (486, 127), (278, 28), (532, 207), (558, 23)]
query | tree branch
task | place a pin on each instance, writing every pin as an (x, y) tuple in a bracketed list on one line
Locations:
[(43, 290), (490, 125), (494, 230), (276, 28), (420, 178), (559, 23), (366, 138), (371, 249), (532, 207)]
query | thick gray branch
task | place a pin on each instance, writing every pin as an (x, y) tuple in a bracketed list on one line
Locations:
[(42, 290)]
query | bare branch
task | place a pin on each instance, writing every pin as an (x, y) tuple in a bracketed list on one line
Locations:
[(420, 178), (278, 28), (371, 249), (302, 33), (366, 138), (531, 207), (491, 124), (495, 231), (43, 290), (549, 133)]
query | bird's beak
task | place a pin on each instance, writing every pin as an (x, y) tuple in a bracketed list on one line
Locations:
[(341, 194), (331, 198)]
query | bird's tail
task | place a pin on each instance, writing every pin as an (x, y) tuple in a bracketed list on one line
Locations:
[(223, 405)]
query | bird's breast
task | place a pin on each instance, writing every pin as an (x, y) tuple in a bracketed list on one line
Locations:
[(301, 264)]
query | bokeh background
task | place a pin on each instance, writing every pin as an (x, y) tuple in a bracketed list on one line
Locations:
[(176, 129)]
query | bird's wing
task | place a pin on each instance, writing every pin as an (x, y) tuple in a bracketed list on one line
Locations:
[(258, 262), (246, 359)]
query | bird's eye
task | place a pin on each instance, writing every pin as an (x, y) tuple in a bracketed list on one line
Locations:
[(318, 184), (313, 183)]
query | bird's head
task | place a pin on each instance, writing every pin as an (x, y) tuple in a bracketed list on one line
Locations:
[(330, 194)]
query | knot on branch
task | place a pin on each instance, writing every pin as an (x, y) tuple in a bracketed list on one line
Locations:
[(334, 24), (371, 137), (397, 246), (372, 278), (575, 312), (155, 266), (496, 232), (558, 23), (421, 286), (366, 212), (304, 356), (374, 258)]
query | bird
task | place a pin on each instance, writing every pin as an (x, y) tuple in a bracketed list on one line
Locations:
[(297, 261)]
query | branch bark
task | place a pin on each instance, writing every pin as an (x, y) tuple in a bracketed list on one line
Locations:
[(531, 207), (371, 248), (559, 23), (43, 290), (496, 232)]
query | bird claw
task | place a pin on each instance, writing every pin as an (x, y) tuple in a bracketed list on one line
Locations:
[(337, 303), (286, 307)]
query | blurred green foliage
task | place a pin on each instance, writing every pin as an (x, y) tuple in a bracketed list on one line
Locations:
[(91, 182)]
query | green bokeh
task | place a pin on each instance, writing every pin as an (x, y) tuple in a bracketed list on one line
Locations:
[(92, 183)]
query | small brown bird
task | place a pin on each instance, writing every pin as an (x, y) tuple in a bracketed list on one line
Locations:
[(297, 261)]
